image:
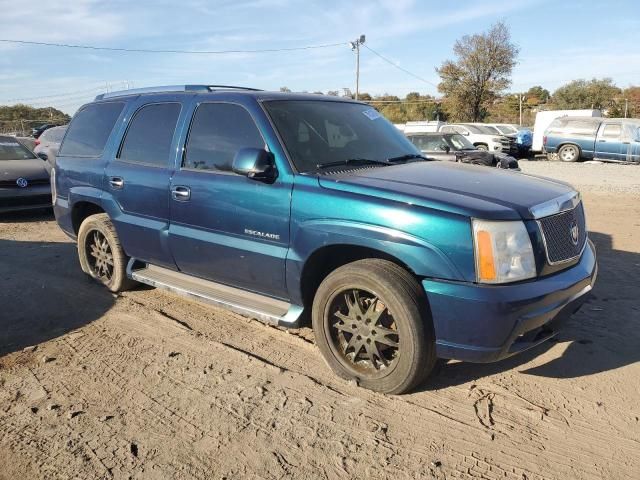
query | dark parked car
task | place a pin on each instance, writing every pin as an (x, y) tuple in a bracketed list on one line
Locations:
[(607, 139), (37, 131), (456, 148), (48, 143), (24, 178), (272, 204)]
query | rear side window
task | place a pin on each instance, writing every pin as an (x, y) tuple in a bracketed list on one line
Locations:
[(150, 134), (90, 129), (581, 127), (217, 132), (612, 131)]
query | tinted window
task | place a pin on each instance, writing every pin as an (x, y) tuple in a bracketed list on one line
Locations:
[(612, 131), (218, 131), (430, 143), (150, 134), (90, 129), (581, 127)]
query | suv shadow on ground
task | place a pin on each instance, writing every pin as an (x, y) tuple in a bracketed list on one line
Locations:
[(603, 335), (43, 292)]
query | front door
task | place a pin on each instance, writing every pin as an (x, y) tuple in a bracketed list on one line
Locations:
[(609, 142), (138, 181), (226, 227)]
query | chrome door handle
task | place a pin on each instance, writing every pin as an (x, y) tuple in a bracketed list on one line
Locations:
[(180, 193), (116, 182)]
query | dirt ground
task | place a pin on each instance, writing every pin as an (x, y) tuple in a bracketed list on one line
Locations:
[(150, 385)]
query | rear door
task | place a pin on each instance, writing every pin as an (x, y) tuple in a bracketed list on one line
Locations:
[(609, 142), (226, 227), (137, 180)]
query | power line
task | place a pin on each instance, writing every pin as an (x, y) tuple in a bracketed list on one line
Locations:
[(58, 95), (144, 50), (391, 62)]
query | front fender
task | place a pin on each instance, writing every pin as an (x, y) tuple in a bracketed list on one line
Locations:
[(424, 258)]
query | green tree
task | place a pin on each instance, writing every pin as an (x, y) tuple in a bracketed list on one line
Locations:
[(480, 72), (578, 94), (537, 95), (285, 89), (21, 118)]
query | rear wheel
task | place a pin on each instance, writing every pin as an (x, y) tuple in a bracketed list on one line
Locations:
[(372, 325), (101, 255), (569, 153)]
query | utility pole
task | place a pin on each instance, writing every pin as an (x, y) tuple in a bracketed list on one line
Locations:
[(355, 46), (626, 107), (520, 97)]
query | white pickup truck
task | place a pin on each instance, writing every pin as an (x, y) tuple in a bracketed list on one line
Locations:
[(481, 137)]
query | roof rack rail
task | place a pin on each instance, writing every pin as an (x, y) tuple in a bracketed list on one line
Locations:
[(172, 88)]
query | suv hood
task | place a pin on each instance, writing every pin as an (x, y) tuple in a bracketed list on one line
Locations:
[(470, 190)]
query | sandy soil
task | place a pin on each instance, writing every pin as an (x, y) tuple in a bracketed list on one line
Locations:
[(150, 385)]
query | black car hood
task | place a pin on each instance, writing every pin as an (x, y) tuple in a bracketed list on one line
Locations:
[(11, 170), (471, 190)]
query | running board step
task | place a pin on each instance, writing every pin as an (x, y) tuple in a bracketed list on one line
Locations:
[(266, 309)]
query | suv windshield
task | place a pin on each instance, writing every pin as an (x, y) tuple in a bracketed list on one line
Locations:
[(506, 129), (13, 150), (317, 133)]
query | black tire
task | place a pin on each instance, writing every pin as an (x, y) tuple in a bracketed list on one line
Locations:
[(569, 153), (403, 359), (482, 146), (101, 255)]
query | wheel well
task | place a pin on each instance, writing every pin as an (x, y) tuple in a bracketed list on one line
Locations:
[(480, 143), (325, 260), (82, 210)]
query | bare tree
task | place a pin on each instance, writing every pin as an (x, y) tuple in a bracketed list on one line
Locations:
[(480, 72)]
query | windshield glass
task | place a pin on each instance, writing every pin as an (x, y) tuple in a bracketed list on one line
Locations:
[(11, 149), (477, 129), (506, 129), (318, 132), (460, 143)]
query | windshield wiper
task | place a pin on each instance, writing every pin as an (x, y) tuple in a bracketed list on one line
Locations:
[(408, 156), (355, 161)]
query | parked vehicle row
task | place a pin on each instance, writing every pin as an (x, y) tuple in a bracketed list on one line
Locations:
[(48, 143), (585, 138), (272, 204)]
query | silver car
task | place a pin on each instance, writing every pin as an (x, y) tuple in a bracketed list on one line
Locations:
[(48, 143)]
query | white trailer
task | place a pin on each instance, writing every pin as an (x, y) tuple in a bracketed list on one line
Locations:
[(544, 119)]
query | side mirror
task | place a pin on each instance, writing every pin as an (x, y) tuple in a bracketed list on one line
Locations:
[(446, 148), (466, 134), (42, 156), (255, 163)]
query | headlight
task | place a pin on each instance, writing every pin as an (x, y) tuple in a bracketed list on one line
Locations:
[(503, 251), (496, 139)]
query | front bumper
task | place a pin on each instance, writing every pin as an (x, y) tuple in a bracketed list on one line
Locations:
[(29, 198), (485, 323)]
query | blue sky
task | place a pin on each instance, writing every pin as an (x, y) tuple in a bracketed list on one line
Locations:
[(559, 41)]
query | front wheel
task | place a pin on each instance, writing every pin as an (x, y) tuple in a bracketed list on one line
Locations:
[(482, 146), (569, 153), (100, 253), (372, 325)]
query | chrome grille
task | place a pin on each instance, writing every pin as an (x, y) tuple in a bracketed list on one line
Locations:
[(557, 231)]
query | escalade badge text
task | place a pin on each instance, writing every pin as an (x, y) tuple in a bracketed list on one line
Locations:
[(255, 233), (575, 233)]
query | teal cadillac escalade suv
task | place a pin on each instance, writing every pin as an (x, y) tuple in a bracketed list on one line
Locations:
[(287, 206)]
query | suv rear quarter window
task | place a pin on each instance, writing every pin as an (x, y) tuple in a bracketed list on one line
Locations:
[(150, 134), (217, 132), (90, 129)]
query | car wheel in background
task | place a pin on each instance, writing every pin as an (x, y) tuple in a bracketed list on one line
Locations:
[(372, 325), (569, 153), (101, 255), (482, 146)]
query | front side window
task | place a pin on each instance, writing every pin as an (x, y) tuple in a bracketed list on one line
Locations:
[(217, 132), (150, 135), (460, 142), (321, 132), (90, 129)]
